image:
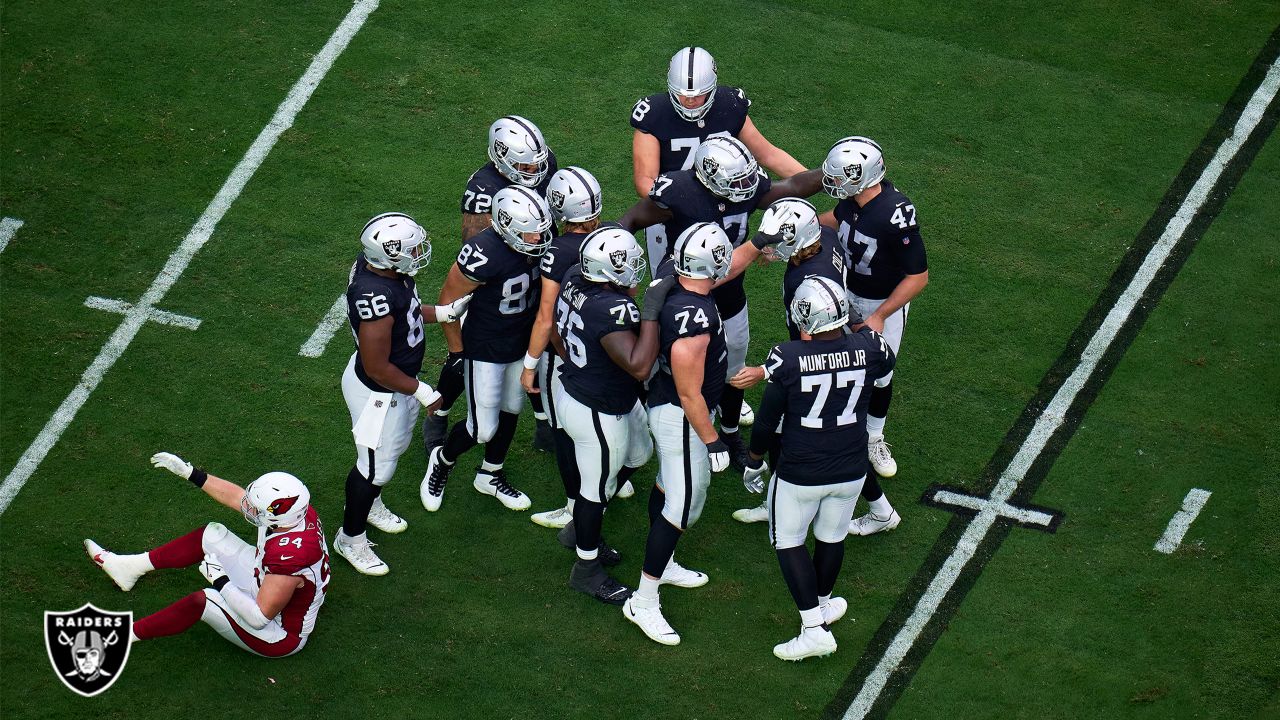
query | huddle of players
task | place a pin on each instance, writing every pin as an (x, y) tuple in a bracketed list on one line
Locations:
[(527, 311)]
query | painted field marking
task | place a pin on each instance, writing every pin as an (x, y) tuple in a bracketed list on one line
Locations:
[(1052, 415), (8, 227), (319, 340), (1022, 516), (121, 307), (1192, 504), (139, 314)]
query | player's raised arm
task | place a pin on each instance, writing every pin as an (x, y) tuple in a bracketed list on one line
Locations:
[(225, 492), (778, 161), (644, 213), (802, 185)]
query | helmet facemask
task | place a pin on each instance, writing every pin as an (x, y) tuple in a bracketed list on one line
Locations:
[(692, 74)]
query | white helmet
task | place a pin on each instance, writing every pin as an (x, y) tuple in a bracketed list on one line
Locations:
[(518, 210), (852, 165), (820, 304), (276, 499), (727, 168), (612, 254), (692, 73), (515, 141), (796, 220), (393, 241), (703, 252), (574, 195)]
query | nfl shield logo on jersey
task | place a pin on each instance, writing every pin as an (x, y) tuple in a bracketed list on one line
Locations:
[(88, 647)]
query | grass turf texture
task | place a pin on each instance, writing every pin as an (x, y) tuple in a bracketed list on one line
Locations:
[(1035, 144)]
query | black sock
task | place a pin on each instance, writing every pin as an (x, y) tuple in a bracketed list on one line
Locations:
[(871, 491), (458, 443), (730, 407), (802, 580), (495, 451), (660, 546), (567, 462), (450, 385), (588, 517), (657, 499), (535, 399), (626, 473), (880, 398), (361, 493), (775, 449), (827, 559)]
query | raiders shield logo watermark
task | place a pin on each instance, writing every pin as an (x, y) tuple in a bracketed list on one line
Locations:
[(88, 647)]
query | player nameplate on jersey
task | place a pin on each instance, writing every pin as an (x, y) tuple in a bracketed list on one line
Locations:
[(88, 647)]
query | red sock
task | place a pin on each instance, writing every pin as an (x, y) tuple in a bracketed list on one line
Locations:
[(172, 620), (181, 552)]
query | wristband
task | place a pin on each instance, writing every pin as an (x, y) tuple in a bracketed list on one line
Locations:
[(220, 581), (530, 362), (198, 476)]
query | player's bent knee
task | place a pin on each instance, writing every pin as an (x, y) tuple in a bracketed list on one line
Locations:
[(383, 471), (214, 533)]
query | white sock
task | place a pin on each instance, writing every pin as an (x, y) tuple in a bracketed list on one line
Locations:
[(587, 554), (490, 467), (823, 600), (881, 508), (875, 427), (442, 412), (133, 637), (540, 416), (728, 429), (569, 505), (354, 539), (648, 589), (811, 618), (141, 560)]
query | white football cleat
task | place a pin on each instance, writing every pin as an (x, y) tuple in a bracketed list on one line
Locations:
[(676, 574), (555, 519), (627, 490), (123, 570), (748, 416), (834, 609), (811, 642), (495, 484), (648, 615), (431, 491), (385, 520), (756, 514), (881, 459), (359, 554), (870, 524)]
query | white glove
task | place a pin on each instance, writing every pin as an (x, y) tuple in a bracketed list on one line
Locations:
[(425, 394), (452, 311), (211, 569), (753, 478), (173, 464), (719, 454)]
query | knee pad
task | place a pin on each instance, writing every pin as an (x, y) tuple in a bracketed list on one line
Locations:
[(214, 533)]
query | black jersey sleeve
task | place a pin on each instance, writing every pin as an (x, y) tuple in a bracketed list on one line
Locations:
[(772, 407), (614, 315), (368, 301), (900, 228), (478, 195), (642, 115), (477, 258), (688, 316), (735, 98), (666, 190)]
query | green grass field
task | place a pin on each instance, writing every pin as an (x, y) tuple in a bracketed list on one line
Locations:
[(1036, 142)]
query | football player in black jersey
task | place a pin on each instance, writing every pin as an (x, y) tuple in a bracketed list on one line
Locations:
[(725, 186), (886, 269), (816, 390), (380, 384), (607, 355), (690, 377), (668, 130), (500, 265), (518, 155)]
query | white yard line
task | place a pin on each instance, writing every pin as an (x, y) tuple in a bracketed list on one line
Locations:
[(1054, 413), (319, 340), (8, 227), (181, 258), (1192, 504)]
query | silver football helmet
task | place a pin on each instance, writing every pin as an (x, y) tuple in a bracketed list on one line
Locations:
[(612, 255), (703, 252), (276, 499), (852, 165), (518, 151), (574, 195), (820, 304), (796, 220), (393, 241), (727, 168), (518, 211), (692, 74)]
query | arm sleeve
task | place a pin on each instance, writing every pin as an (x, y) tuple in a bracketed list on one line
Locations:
[(244, 605), (771, 409)]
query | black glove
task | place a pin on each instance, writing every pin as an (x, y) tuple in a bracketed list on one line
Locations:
[(763, 239), (655, 296), (719, 454), (453, 364)]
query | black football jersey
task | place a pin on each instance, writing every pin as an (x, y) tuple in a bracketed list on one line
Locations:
[(679, 138), (688, 314), (827, 263), (881, 241), (370, 297), (483, 183), (825, 387), (501, 314), (587, 312), (691, 202), (562, 255)]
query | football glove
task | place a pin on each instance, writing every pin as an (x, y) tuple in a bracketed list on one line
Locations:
[(754, 474), (173, 463), (451, 312), (655, 296), (425, 394), (453, 364), (719, 454), (211, 569)]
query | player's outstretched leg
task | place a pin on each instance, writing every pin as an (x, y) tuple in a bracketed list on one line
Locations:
[(435, 425), (644, 607), (877, 449), (815, 638), (440, 463), (491, 479), (124, 570), (569, 476)]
